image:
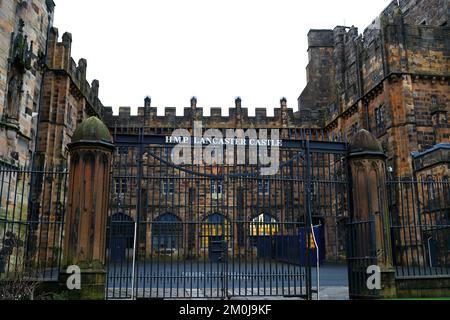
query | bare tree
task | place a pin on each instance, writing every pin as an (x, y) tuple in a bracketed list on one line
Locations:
[(18, 286)]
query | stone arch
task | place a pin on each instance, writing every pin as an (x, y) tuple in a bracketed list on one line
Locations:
[(216, 235), (205, 216), (121, 236), (263, 225), (167, 233)]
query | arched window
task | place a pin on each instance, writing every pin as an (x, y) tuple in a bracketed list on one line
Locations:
[(216, 227), (167, 233), (263, 225), (121, 236)]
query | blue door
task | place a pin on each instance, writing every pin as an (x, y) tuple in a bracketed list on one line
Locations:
[(312, 246), (118, 248), (217, 249), (121, 236)]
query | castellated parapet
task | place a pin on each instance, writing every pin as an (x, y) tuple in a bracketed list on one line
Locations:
[(345, 67), (147, 116), (392, 80), (59, 60), (67, 99)]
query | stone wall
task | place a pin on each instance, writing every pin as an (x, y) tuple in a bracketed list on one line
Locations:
[(320, 76), (23, 36), (426, 12), (67, 99), (391, 80)]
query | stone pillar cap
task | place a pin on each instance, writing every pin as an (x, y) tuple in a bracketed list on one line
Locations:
[(365, 143), (92, 130)]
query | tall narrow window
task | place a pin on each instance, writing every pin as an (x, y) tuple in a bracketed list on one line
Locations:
[(263, 187), (446, 187), (431, 187), (216, 187), (380, 119), (168, 187), (121, 186), (434, 101), (69, 115)]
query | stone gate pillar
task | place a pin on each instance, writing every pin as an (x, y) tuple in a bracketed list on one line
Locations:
[(87, 211), (370, 222)]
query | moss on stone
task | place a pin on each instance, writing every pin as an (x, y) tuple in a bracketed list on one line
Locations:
[(364, 141), (92, 130)]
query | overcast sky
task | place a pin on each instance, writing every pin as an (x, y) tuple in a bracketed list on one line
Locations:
[(215, 50)]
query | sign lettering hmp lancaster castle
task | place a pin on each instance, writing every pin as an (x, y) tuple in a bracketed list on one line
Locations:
[(260, 150)]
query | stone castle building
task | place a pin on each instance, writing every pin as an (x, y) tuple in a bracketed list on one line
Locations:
[(392, 80), (23, 43), (44, 95), (40, 85)]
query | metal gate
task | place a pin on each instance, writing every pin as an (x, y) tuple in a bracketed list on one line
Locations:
[(219, 231)]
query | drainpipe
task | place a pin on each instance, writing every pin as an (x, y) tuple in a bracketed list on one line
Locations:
[(45, 68), (32, 215)]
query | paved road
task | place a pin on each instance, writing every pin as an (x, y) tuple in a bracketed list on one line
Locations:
[(203, 280)]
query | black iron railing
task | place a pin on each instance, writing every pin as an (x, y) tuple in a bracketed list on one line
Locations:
[(420, 224), (221, 230), (32, 209)]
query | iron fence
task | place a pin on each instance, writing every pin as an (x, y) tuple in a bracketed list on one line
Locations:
[(420, 223), (419, 212), (32, 209), (361, 253), (219, 231)]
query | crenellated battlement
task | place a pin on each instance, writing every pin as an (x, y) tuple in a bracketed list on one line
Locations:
[(59, 60), (238, 117), (347, 67)]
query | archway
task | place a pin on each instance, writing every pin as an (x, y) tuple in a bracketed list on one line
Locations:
[(262, 232), (167, 234), (121, 230), (215, 236), (264, 225)]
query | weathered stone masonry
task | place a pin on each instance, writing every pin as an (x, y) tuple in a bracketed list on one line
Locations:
[(23, 29), (68, 99), (393, 80)]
